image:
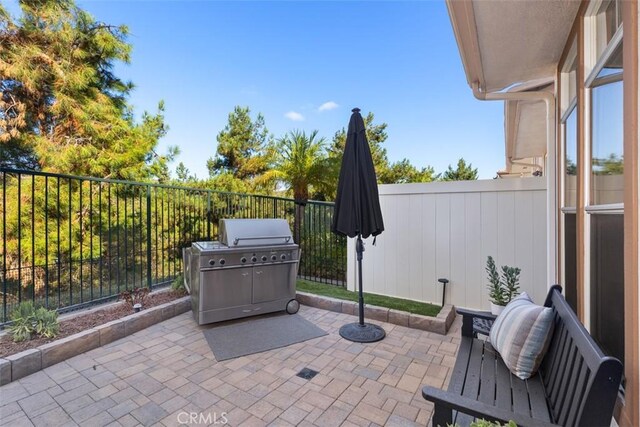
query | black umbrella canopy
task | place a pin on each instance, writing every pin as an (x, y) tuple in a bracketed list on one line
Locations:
[(357, 208), (357, 213)]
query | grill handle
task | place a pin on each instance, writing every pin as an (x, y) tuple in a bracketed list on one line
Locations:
[(237, 239), (233, 267)]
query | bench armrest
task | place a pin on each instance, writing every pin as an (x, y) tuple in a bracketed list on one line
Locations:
[(445, 402), (467, 320)]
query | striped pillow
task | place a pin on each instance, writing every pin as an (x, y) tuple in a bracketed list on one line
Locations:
[(521, 335)]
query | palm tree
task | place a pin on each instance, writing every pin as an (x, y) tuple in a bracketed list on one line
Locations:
[(300, 165)]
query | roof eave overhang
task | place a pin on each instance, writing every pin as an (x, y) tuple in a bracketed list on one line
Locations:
[(504, 43), (463, 22)]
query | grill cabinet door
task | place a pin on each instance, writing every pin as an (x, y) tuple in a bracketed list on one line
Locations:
[(272, 282), (224, 288)]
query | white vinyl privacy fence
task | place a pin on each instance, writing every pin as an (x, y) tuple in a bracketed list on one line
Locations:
[(447, 230)]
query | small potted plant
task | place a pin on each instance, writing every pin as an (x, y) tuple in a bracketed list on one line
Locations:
[(497, 296), (502, 287), (510, 282)]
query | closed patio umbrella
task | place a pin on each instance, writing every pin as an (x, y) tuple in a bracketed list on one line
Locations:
[(357, 213)]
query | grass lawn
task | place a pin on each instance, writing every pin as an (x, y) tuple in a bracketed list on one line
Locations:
[(339, 292)]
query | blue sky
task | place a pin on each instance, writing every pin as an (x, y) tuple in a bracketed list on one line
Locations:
[(398, 60)]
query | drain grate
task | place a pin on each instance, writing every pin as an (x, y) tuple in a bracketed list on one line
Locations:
[(307, 373)]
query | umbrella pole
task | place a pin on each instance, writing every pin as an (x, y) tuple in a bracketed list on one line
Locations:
[(361, 332), (359, 251)]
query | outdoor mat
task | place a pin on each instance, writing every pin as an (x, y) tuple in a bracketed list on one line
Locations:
[(255, 335)]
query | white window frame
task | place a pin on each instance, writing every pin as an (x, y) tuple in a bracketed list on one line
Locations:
[(592, 67)]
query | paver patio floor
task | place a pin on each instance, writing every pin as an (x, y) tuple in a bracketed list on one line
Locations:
[(167, 375)]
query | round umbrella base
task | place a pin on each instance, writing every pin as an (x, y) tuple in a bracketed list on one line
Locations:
[(362, 333)]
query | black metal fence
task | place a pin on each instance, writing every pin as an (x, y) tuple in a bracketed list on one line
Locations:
[(69, 241)]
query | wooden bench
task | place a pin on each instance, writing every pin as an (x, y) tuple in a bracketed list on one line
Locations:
[(576, 385)]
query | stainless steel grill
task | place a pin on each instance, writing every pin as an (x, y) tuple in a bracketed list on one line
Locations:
[(250, 270)]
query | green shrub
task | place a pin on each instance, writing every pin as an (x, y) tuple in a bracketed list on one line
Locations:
[(46, 323), (27, 321), (135, 296), (178, 283)]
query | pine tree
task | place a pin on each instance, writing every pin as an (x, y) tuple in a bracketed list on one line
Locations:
[(386, 172), (463, 172), (244, 149), (376, 136), (62, 107), (403, 172)]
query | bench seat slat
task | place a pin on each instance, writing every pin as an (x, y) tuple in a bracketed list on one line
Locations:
[(519, 395), (458, 375), (459, 371), (503, 386), (488, 375), (472, 380), (539, 408)]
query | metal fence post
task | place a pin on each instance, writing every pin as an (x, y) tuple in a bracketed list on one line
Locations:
[(149, 281), (209, 215)]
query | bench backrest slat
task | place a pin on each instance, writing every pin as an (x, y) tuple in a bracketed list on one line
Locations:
[(574, 354), (555, 392), (572, 381), (580, 390), (564, 394), (553, 359)]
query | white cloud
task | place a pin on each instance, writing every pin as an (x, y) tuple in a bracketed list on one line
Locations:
[(296, 117), (328, 106)]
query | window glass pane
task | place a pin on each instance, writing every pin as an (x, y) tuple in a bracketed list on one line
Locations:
[(570, 263), (607, 283), (607, 22), (607, 144), (571, 158), (569, 78), (573, 80), (613, 65)]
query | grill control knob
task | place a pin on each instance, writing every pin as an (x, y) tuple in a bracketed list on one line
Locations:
[(273, 257), (222, 261), (283, 257), (264, 258), (212, 262), (254, 259), (243, 260)]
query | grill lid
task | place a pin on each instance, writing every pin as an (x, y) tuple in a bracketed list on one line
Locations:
[(254, 232)]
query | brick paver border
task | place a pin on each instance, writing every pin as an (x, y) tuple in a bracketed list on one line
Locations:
[(439, 324), (30, 361), (27, 362)]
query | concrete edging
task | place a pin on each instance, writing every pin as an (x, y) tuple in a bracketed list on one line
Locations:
[(439, 324), (27, 362)]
